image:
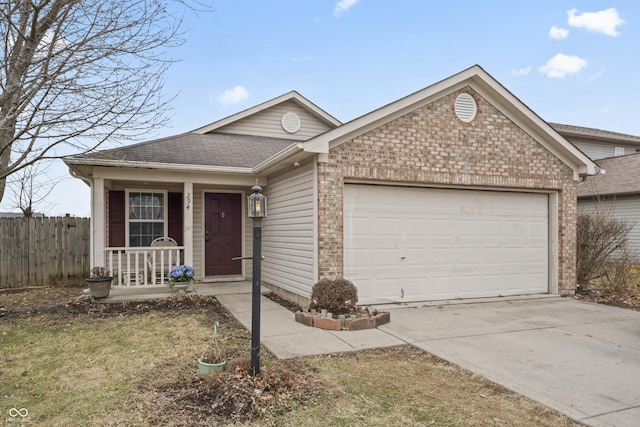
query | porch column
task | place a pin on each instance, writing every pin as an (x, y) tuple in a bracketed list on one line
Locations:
[(187, 223), (98, 222)]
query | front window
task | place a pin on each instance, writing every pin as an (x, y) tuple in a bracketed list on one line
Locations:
[(147, 214)]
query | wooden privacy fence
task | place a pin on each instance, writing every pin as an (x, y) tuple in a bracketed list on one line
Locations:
[(43, 251)]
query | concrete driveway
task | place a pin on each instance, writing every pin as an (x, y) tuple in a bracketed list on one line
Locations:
[(579, 358)]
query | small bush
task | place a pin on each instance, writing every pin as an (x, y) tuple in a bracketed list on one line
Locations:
[(338, 296), (602, 247)]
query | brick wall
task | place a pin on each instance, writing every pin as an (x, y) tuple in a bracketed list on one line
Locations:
[(431, 146)]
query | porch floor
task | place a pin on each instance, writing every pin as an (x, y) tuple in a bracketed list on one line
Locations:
[(210, 289)]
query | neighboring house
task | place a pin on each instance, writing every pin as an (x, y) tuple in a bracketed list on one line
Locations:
[(458, 190), (599, 144), (617, 190)]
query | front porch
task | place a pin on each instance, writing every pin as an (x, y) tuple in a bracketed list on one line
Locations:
[(204, 220), (124, 293), (142, 266)]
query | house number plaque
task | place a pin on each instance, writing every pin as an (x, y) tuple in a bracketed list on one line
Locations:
[(188, 199)]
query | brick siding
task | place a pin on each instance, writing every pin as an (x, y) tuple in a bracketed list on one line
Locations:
[(430, 146)]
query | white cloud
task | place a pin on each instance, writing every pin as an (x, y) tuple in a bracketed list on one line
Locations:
[(558, 33), (521, 71), (343, 6), (233, 96), (604, 21), (561, 65)]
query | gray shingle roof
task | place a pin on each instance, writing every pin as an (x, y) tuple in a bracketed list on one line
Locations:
[(621, 177), (593, 133), (214, 149)]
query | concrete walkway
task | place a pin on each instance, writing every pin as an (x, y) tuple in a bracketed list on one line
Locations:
[(578, 358)]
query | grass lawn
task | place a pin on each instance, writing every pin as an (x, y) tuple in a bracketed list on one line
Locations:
[(82, 364)]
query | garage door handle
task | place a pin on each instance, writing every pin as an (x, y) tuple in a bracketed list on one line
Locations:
[(403, 257)]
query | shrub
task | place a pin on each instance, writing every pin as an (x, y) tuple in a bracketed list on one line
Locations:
[(338, 296), (602, 247)]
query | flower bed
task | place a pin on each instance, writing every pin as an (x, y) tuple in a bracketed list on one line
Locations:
[(353, 322)]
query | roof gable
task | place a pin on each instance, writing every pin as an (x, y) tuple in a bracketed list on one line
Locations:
[(480, 81), (265, 119)]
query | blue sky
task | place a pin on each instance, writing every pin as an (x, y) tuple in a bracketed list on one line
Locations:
[(572, 62)]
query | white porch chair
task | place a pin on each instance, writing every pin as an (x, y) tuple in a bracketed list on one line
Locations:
[(161, 261)]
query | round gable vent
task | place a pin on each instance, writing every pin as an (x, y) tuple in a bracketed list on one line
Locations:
[(466, 107), (291, 122)]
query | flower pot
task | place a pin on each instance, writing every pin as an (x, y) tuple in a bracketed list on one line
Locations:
[(209, 368), (99, 287), (181, 287)]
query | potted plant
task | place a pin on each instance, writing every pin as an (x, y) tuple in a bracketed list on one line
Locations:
[(211, 359), (180, 277), (99, 282)]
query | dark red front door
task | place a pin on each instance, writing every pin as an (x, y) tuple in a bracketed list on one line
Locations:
[(222, 234)]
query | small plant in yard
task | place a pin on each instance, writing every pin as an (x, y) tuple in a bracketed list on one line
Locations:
[(338, 296), (181, 274), (333, 307), (212, 353), (99, 282), (99, 273)]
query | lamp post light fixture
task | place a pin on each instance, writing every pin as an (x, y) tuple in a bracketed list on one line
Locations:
[(256, 209)]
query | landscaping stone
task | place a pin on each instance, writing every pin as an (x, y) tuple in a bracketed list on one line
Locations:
[(327, 323), (304, 318), (355, 322)]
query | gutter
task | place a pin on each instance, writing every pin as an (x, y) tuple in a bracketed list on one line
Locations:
[(163, 166), (276, 159)]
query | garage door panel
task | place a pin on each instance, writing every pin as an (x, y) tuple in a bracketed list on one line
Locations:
[(437, 243), (385, 287)]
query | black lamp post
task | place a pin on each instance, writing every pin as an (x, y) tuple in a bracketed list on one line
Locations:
[(256, 209)]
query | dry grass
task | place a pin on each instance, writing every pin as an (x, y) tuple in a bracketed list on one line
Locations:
[(126, 365), (88, 372), (407, 387)]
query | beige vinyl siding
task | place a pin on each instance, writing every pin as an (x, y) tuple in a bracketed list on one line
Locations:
[(600, 151), (269, 123), (288, 232), (624, 207)]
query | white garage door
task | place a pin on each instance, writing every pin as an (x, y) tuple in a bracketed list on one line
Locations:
[(417, 244)]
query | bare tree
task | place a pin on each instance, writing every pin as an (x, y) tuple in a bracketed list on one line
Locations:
[(29, 188), (74, 73)]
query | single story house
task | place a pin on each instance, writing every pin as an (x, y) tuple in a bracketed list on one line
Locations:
[(458, 190)]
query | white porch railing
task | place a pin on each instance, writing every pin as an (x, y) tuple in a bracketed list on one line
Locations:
[(143, 266)]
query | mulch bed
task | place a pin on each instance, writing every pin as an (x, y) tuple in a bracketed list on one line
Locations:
[(234, 396), (291, 306), (624, 297)]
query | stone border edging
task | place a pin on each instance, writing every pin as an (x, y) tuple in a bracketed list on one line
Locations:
[(352, 323)]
